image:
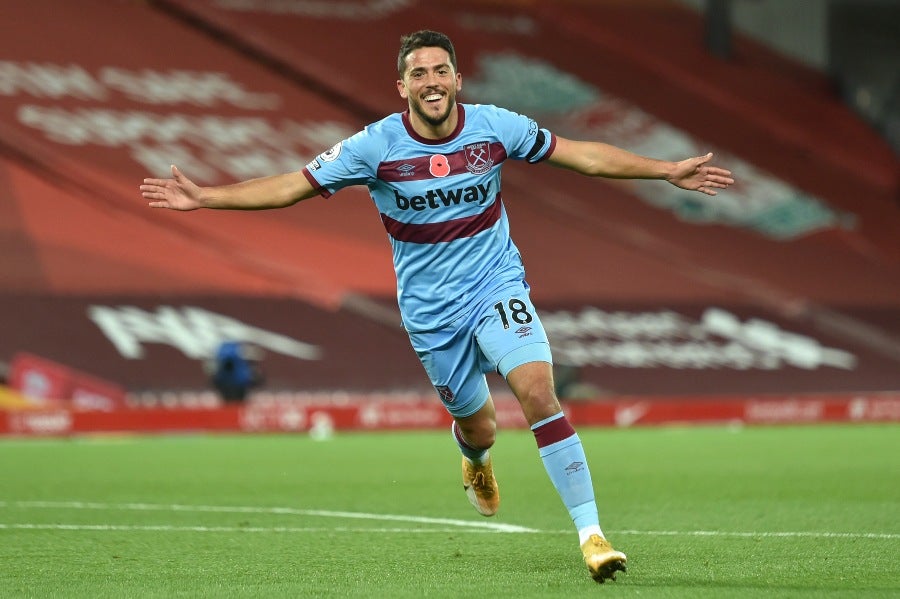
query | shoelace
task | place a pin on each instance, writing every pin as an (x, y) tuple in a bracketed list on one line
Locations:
[(480, 483)]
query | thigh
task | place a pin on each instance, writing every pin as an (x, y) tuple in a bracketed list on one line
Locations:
[(510, 332), (452, 359)]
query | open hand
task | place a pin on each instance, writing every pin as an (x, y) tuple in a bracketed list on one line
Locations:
[(695, 175), (177, 193)]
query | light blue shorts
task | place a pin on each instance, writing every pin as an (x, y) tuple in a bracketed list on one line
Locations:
[(500, 333)]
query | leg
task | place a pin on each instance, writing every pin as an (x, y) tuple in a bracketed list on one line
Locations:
[(475, 436), (558, 444), (532, 384), (477, 432), (451, 359), (565, 462)]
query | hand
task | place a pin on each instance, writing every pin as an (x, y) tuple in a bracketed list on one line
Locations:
[(694, 175), (178, 193)]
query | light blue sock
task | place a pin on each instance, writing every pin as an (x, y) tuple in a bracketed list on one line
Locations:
[(565, 462)]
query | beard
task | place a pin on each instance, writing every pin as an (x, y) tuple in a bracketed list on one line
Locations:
[(431, 119)]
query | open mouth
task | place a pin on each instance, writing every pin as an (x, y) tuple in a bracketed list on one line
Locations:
[(432, 98)]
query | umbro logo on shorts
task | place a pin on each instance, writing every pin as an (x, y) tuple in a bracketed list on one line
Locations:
[(523, 332)]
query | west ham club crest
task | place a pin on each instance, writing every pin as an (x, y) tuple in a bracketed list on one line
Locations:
[(445, 393), (478, 157)]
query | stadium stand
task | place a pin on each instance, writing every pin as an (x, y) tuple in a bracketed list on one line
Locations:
[(790, 284)]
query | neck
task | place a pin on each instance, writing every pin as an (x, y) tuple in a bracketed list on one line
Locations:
[(439, 131)]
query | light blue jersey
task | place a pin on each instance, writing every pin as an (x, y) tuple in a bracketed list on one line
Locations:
[(440, 203)]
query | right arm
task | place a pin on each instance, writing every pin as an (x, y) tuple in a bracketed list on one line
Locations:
[(180, 193)]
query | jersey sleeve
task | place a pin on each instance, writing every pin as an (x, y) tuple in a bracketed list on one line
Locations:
[(348, 162), (523, 138)]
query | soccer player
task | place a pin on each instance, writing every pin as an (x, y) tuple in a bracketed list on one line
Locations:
[(433, 172)]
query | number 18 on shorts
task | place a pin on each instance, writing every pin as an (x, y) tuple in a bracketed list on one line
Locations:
[(501, 333)]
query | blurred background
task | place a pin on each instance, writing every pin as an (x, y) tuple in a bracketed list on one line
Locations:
[(778, 300)]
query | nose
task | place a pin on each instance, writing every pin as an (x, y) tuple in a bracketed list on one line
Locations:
[(435, 77)]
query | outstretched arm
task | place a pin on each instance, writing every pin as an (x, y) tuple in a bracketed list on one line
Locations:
[(180, 193), (603, 160)]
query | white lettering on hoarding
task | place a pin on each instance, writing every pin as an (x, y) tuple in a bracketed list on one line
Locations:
[(42, 423), (146, 86), (51, 81), (195, 332), (718, 339), (240, 147), (200, 88), (211, 147), (797, 350), (784, 411), (874, 409)]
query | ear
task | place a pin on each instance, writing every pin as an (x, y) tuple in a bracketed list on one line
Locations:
[(401, 88), (458, 82)]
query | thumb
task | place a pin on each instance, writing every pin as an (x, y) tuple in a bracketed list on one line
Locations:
[(702, 159), (176, 174)]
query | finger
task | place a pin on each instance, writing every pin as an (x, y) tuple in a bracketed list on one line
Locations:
[(156, 182), (159, 205), (177, 173), (153, 189)]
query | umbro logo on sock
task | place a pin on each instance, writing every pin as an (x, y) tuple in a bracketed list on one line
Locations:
[(574, 467)]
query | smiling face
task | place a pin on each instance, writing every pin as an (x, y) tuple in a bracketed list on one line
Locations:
[(430, 85)]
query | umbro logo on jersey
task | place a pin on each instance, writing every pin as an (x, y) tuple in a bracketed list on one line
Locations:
[(406, 169), (523, 332), (436, 198)]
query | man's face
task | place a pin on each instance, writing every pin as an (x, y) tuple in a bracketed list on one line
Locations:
[(430, 84)]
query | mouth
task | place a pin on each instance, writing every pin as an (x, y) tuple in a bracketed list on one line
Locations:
[(432, 98)]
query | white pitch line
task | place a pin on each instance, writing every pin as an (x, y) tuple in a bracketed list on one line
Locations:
[(473, 526), (89, 505), (768, 534), (229, 529), (308, 530)]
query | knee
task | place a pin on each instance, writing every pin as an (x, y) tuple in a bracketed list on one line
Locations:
[(539, 403), (532, 384)]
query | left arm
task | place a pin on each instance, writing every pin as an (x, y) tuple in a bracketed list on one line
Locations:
[(596, 159)]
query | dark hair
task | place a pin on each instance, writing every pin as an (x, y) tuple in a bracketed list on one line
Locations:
[(423, 39)]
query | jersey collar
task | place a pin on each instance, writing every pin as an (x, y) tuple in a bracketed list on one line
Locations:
[(460, 122)]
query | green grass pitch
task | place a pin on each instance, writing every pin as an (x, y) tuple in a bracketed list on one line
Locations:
[(701, 512)]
